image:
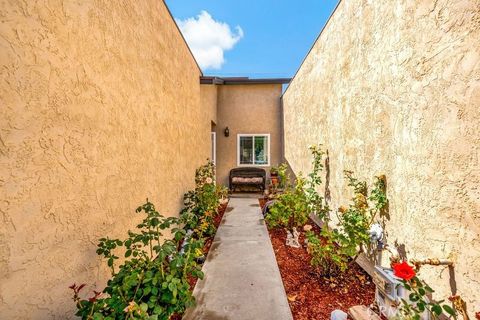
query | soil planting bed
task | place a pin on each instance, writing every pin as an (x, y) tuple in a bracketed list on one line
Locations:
[(311, 296)]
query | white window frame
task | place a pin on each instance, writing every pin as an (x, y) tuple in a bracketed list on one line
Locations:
[(213, 138), (253, 135)]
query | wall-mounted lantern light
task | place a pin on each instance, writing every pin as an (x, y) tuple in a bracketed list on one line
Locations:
[(226, 132)]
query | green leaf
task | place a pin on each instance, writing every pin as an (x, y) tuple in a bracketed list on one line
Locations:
[(128, 253), (97, 316), (144, 306), (110, 262), (421, 306), (147, 290), (157, 310), (449, 310), (437, 309), (413, 297)]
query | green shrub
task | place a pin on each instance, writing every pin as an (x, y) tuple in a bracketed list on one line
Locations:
[(326, 253), (316, 202), (222, 191), (351, 235), (293, 207), (283, 176), (152, 283), (290, 209), (201, 204)]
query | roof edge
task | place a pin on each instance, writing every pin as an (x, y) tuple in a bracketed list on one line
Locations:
[(241, 80)]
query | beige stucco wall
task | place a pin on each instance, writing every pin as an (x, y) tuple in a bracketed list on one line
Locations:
[(99, 109), (393, 87), (208, 95), (250, 108)]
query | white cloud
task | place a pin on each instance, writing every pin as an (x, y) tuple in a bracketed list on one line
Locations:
[(208, 39)]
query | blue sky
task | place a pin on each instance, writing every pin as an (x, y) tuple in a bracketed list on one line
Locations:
[(264, 38)]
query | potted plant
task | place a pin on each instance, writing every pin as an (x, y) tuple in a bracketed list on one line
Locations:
[(274, 175)]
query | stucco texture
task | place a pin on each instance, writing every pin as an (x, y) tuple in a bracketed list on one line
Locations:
[(208, 94), (393, 87), (100, 109), (247, 109)]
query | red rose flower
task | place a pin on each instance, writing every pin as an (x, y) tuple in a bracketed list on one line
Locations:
[(403, 270)]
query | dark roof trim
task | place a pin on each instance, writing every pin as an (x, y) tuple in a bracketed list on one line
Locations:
[(241, 80)]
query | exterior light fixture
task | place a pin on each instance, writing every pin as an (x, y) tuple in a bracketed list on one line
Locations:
[(226, 132)]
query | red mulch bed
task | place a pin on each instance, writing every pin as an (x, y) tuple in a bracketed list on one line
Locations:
[(262, 201), (311, 296)]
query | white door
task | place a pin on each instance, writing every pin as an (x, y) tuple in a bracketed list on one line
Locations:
[(214, 147)]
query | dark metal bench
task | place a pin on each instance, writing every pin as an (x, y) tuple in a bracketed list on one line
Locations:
[(247, 176)]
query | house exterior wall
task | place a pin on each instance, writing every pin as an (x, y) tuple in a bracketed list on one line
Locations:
[(100, 109), (393, 87), (209, 100), (250, 108)]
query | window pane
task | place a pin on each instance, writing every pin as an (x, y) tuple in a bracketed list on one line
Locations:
[(261, 150), (246, 150)]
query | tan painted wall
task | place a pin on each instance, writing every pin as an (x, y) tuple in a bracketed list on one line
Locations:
[(252, 108), (100, 108), (394, 88), (209, 100)]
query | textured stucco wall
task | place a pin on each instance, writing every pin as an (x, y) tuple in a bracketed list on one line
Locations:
[(208, 95), (393, 87), (100, 108), (251, 108)]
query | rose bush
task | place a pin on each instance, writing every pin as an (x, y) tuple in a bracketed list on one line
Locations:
[(344, 242), (418, 301), (201, 204), (152, 283)]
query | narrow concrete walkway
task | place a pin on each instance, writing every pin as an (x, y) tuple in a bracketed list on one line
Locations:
[(242, 280)]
